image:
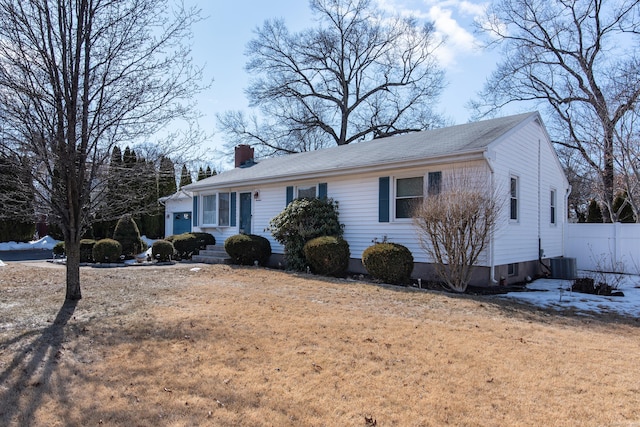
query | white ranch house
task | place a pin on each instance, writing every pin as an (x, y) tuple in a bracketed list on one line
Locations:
[(373, 182)]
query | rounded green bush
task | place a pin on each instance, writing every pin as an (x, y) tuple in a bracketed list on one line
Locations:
[(204, 239), (389, 262), (162, 250), (58, 249), (245, 249), (107, 251), (327, 255), (128, 234), (186, 245), (86, 250)]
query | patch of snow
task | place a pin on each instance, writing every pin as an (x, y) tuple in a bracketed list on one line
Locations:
[(2, 264), (557, 295), (46, 243), (195, 269)]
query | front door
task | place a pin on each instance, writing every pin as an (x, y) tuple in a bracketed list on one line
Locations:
[(181, 222), (245, 213)]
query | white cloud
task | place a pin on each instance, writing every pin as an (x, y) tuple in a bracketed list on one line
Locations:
[(452, 20)]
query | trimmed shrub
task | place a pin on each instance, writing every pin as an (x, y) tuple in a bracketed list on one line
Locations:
[(128, 234), (86, 250), (186, 245), (327, 255), (58, 249), (245, 249), (107, 251), (301, 221), (389, 262), (204, 239), (162, 250)]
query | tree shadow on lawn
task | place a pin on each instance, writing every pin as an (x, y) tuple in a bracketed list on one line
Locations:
[(27, 377)]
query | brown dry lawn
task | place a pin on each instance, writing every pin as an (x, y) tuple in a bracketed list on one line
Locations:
[(227, 346)]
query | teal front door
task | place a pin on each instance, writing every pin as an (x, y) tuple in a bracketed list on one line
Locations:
[(245, 213), (181, 222)]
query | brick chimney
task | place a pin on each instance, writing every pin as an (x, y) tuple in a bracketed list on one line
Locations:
[(243, 154)]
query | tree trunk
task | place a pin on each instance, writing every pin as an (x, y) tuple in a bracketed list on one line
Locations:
[(72, 249)]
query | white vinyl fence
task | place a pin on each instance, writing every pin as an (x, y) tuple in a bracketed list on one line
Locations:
[(604, 247)]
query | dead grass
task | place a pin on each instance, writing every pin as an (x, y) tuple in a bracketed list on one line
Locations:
[(227, 346)]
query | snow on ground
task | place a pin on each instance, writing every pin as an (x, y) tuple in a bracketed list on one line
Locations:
[(557, 295), (545, 293), (46, 243)]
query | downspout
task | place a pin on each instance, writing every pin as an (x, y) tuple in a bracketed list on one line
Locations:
[(540, 249), (492, 273)]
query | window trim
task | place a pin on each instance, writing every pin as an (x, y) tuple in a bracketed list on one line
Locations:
[(553, 207)]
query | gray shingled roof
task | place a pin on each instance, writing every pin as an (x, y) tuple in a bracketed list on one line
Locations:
[(449, 141)]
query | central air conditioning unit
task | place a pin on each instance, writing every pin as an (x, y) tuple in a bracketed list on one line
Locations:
[(563, 268)]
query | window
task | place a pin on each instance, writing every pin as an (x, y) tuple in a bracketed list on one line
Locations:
[(223, 209), (512, 269), (409, 194), (209, 209), (514, 199), (307, 192), (553, 206), (216, 209), (434, 185)]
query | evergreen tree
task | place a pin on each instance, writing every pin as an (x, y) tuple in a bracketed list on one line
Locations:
[(594, 215), (208, 172), (17, 213), (185, 176), (201, 174), (167, 178), (625, 213)]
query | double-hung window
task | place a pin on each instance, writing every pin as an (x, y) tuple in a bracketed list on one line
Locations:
[(308, 192), (409, 195), (434, 183), (216, 209), (513, 188)]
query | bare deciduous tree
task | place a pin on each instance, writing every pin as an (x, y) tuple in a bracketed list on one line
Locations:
[(580, 60), (455, 226), (77, 77), (358, 75)]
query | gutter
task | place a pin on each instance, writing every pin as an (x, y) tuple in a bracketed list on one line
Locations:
[(326, 173), (492, 274)]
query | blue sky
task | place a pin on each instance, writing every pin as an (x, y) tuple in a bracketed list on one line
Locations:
[(220, 40)]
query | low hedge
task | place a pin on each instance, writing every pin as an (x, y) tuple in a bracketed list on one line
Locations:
[(204, 239), (162, 250), (327, 255), (389, 262), (246, 249), (58, 249), (186, 245), (86, 250), (107, 251)]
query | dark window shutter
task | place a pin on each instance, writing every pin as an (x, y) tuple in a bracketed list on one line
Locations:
[(232, 220), (194, 214), (322, 190), (289, 194), (383, 199)]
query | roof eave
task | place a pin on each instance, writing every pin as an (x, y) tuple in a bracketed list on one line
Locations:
[(461, 156)]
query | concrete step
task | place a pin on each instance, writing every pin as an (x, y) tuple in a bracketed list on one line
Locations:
[(212, 255)]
